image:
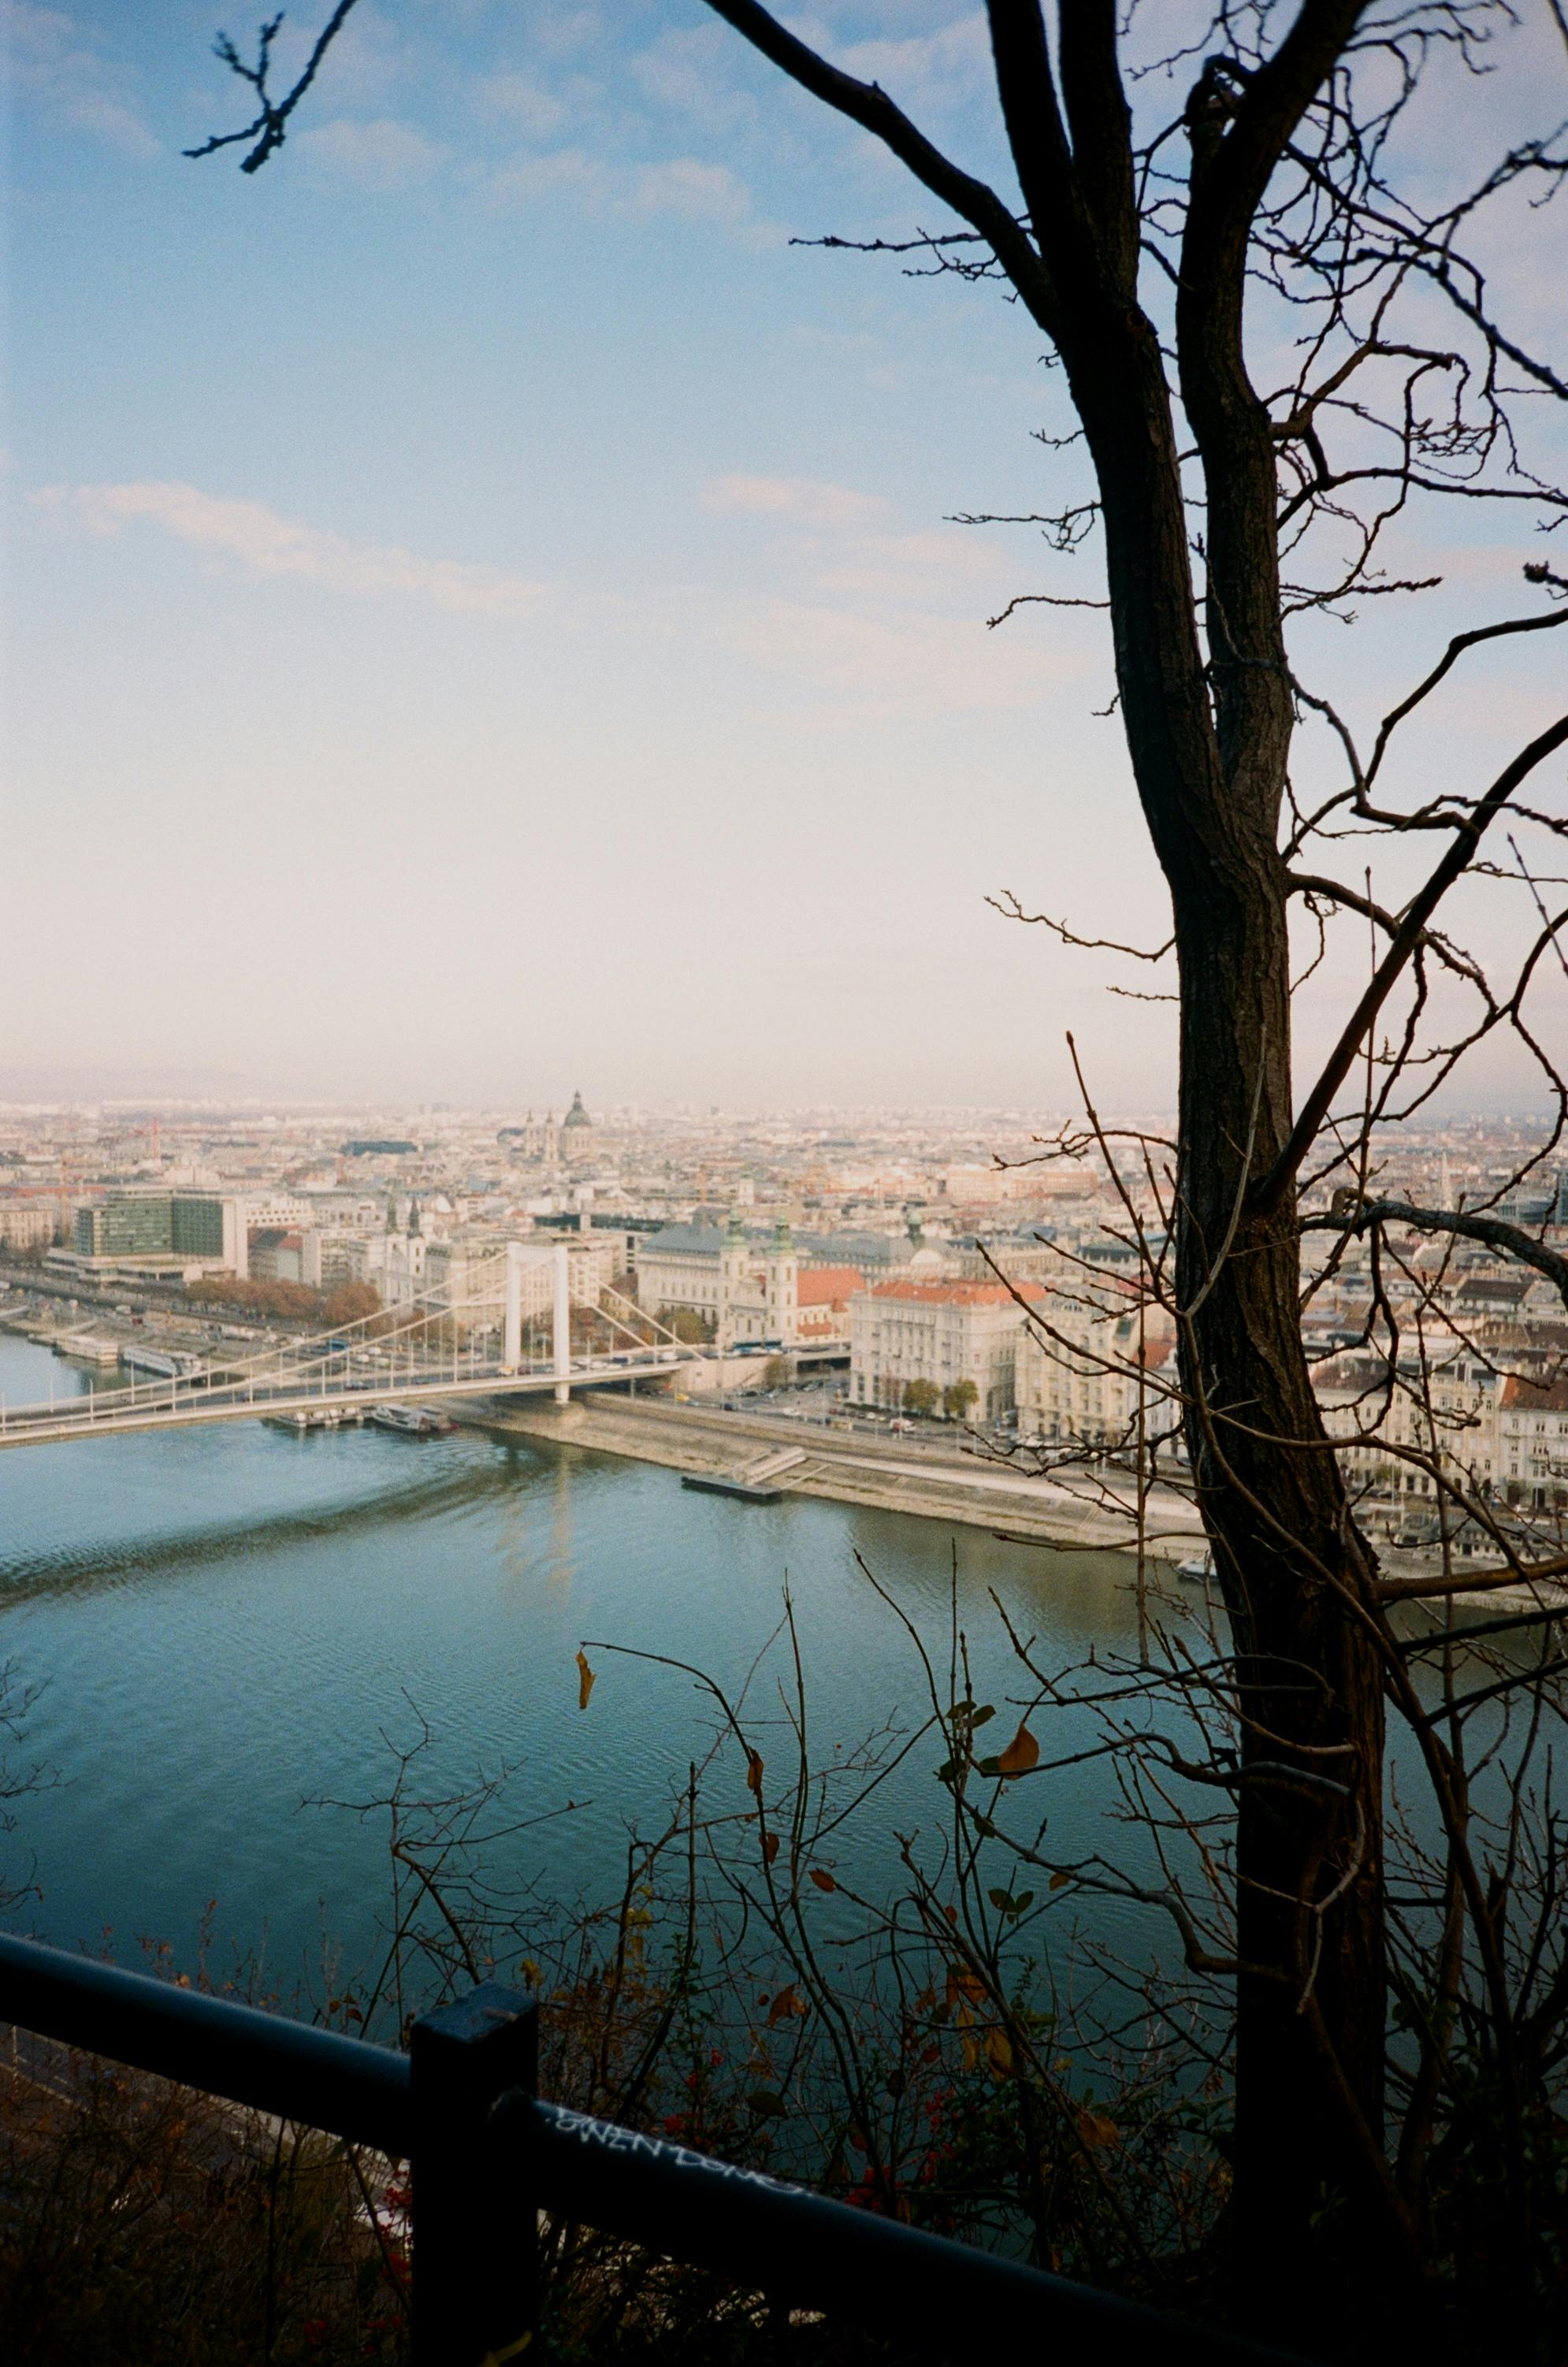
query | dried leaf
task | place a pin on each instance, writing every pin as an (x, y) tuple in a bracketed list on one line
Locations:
[(788, 2002), (822, 1881), (1060, 1881), (754, 1773), (585, 1681), (770, 1848), (999, 2052), (1097, 2130), (1021, 1755)]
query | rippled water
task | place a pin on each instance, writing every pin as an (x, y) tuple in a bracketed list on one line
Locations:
[(230, 1623)]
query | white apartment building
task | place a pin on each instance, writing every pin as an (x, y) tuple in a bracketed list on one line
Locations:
[(335, 1211), (744, 1290), (943, 1332), (27, 1224), (1078, 1377), (1532, 1442), (1448, 1408), (275, 1211)]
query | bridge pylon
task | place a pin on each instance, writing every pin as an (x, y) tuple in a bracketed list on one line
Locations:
[(561, 1324), (512, 1319)]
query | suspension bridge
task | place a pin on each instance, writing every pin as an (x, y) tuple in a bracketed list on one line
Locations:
[(494, 1336)]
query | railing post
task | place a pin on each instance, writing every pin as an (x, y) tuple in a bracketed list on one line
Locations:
[(475, 2220)]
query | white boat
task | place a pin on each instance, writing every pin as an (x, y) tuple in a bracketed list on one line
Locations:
[(1198, 1570), (407, 1420), (168, 1364)]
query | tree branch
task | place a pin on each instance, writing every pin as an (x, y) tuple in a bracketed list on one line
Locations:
[(867, 104), (1511, 1239), (1268, 1193), (271, 124)]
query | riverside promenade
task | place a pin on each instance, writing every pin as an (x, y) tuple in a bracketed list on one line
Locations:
[(807, 1459)]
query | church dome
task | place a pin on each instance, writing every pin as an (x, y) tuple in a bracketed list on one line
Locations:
[(576, 1114)]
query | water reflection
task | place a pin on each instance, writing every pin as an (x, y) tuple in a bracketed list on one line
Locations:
[(232, 1621)]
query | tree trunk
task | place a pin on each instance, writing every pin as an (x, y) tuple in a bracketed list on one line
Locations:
[(1211, 770), (1311, 1993)]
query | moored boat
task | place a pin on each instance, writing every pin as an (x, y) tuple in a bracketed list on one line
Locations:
[(408, 1422)]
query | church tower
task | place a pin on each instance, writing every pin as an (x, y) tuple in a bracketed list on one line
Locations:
[(783, 1285), (732, 1279)]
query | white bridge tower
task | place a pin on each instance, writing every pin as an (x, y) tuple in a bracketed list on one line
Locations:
[(519, 1253)]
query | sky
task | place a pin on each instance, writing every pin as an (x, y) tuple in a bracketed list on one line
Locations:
[(482, 615)]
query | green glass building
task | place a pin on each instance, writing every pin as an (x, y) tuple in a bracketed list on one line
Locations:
[(151, 1225)]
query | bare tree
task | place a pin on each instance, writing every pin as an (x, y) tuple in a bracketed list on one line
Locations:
[(1198, 194)]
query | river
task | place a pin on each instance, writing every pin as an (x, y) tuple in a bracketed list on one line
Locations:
[(226, 1625)]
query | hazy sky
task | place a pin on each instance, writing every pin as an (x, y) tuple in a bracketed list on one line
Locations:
[(483, 618)]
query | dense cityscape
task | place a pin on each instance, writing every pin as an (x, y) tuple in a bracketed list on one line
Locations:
[(982, 1284)]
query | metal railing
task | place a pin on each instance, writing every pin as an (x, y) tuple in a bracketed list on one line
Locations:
[(488, 2155)]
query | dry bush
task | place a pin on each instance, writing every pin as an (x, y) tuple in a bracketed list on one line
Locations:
[(140, 2221)]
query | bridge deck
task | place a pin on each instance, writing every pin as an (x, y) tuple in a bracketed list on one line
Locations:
[(182, 1406)]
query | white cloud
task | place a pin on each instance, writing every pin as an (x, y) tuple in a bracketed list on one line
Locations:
[(565, 173), (891, 618), (688, 72), (50, 57), (264, 544), (381, 155), (682, 186), (794, 501), (537, 112), (843, 538), (927, 72), (934, 664), (694, 191)]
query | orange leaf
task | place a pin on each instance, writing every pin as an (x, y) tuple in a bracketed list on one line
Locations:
[(585, 1681), (770, 1848), (1021, 1755), (998, 2052), (1060, 1881), (754, 1773), (788, 2001), (822, 1881), (1095, 2130)]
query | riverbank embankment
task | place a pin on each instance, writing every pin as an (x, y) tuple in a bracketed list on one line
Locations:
[(799, 1459)]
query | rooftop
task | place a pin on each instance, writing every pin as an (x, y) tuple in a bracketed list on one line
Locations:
[(958, 1294)]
